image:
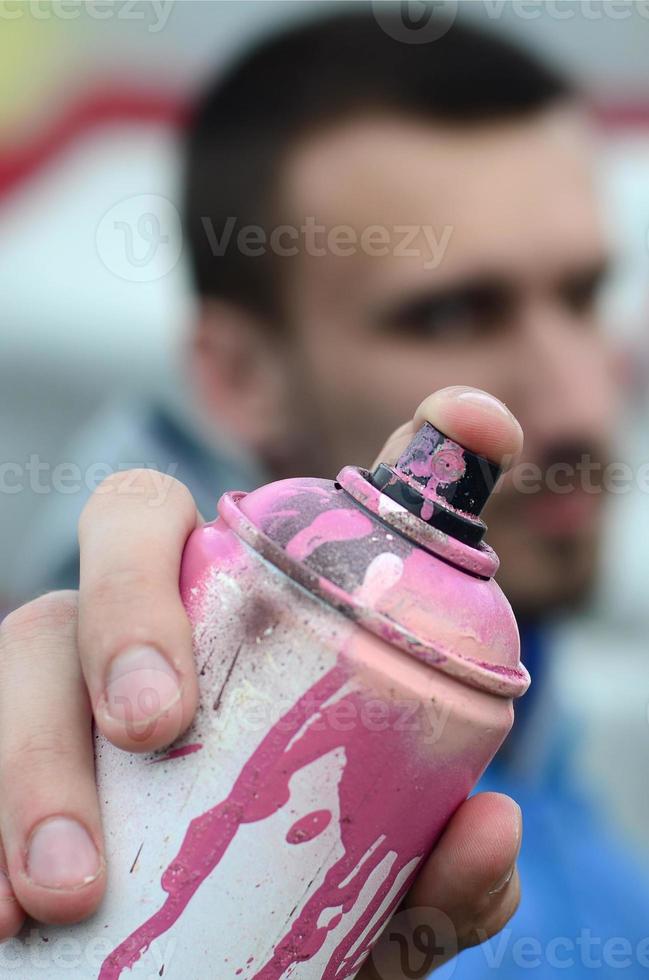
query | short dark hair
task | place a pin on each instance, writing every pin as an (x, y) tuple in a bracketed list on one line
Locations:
[(320, 72)]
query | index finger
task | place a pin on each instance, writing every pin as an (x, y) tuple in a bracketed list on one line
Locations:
[(135, 640)]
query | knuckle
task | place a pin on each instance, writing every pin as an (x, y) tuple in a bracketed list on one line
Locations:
[(118, 587), (50, 613), (11, 918), (41, 750)]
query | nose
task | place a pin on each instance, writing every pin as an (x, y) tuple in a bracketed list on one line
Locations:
[(565, 380)]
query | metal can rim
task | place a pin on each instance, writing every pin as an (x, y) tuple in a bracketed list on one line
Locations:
[(503, 680), (481, 560)]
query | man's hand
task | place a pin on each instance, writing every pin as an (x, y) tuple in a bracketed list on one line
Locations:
[(66, 658)]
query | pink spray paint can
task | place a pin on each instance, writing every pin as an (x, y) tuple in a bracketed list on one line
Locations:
[(357, 664)]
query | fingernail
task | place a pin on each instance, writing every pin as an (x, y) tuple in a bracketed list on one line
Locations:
[(517, 815), (503, 882), (141, 685), (62, 854), (6, 891), (517, 818)]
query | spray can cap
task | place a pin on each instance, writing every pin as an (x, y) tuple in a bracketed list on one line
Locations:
[(442, 483)]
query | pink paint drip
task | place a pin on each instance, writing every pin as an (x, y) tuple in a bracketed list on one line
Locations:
[(309, 827), (438, 465), (339, 524), (178, 753), (445, 465), (374, 779)]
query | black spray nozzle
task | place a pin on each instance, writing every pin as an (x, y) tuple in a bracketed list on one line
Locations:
[(441, 482)]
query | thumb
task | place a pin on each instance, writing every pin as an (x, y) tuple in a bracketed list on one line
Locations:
[(473, 418)]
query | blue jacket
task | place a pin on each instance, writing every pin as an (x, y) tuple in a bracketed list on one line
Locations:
[(584, 909)]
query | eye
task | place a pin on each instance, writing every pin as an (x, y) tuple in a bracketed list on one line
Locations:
[(581, 293), (447, 318), (453, 316)]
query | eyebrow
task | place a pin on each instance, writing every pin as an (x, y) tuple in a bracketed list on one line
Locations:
[(486, 290), (480, 290)]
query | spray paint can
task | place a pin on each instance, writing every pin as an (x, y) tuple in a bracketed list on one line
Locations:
[(357, 664)]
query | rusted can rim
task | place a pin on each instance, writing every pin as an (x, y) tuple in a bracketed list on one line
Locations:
[(494, 678)]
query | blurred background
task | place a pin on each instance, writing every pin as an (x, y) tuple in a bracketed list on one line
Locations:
[(93, 98)]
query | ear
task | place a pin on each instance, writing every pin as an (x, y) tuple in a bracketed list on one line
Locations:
[(240, 374)]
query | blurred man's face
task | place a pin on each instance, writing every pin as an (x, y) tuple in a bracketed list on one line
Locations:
[(500, 293)]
